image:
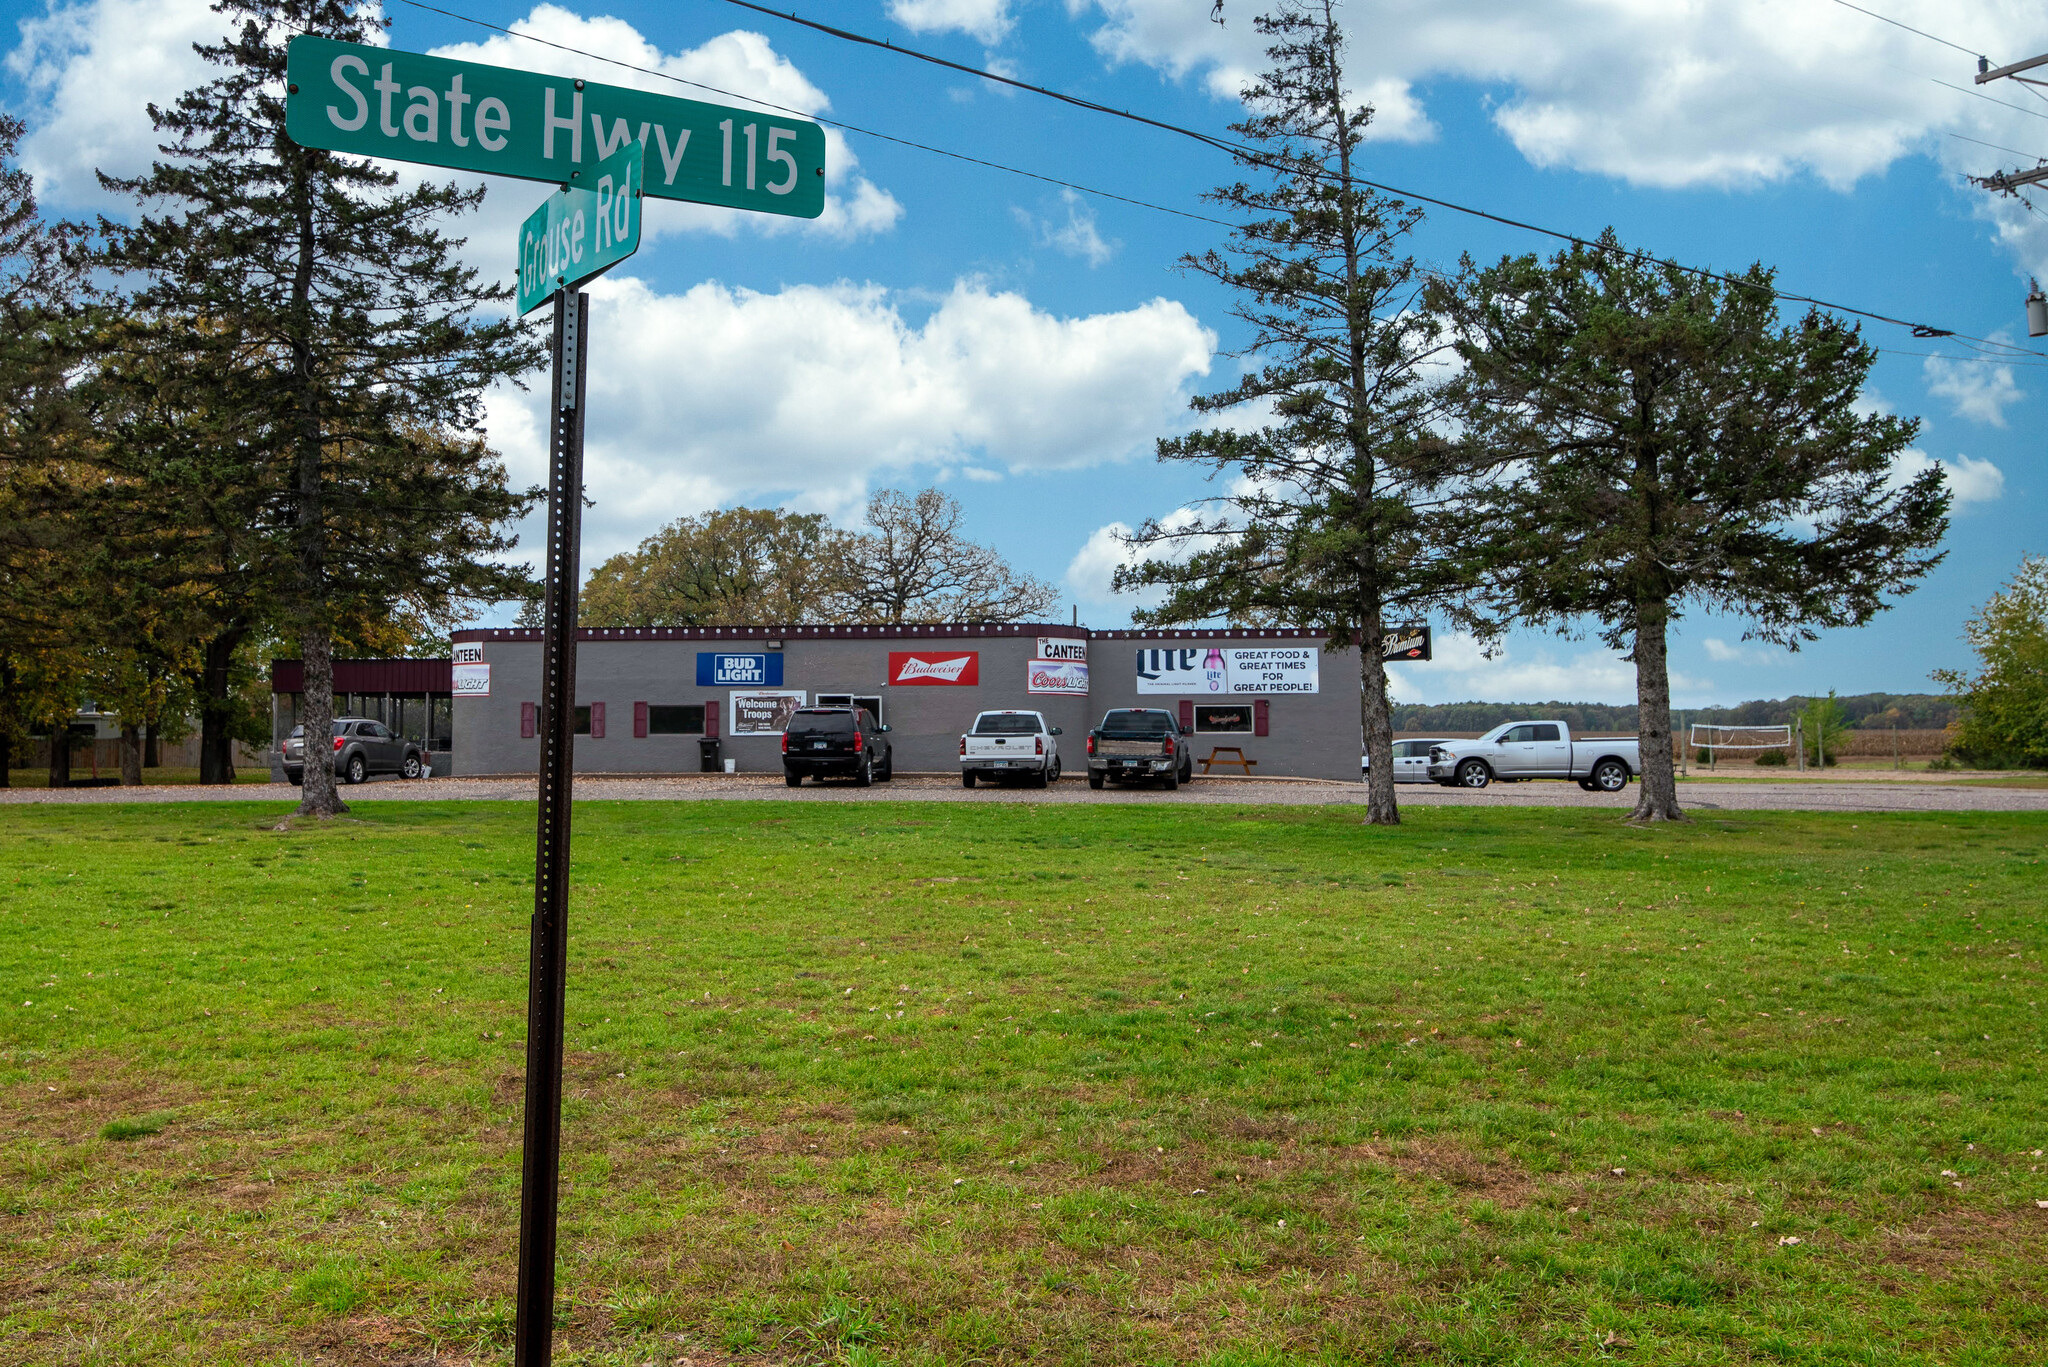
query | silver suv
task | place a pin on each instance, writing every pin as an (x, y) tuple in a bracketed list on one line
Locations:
[(362, 747)]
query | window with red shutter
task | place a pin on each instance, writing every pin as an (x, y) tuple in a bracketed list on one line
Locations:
[(597, 721), (1187, 715), (526, 726), (1261, 721), (711, 719), (639, 721)]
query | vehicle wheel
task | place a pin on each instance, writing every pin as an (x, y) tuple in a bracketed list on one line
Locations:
[(888, 767), (1473, 773), (864, 777), (1610, 776), (1095, 780), (413, 767), (1187, 774), (1039, 779), (1172, 780), (966, 778), (358, 772), (1054, 776), (794, 780), (1589, 785), (296, 780)]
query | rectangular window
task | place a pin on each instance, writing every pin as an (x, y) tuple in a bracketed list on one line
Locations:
[(682, 719), (873, 705), (1232, 718), (583, 720)]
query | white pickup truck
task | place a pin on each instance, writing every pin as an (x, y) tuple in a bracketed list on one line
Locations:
[(1519, 750), (1006, 745)]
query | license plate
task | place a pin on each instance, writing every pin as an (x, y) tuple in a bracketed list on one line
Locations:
[(1002, 764), (817, 745)]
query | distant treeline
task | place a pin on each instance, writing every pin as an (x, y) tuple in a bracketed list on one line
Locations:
[(1907, 711)]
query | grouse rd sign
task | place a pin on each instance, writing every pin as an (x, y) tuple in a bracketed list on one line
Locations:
[(583, 231), (406, 106)]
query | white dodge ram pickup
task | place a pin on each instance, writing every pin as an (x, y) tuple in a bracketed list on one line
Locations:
[(1536, 749), (1004, 745)]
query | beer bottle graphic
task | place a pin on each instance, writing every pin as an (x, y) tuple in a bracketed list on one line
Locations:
[(1212, 669)]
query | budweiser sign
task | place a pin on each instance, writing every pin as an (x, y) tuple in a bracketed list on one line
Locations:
[(939, 668)]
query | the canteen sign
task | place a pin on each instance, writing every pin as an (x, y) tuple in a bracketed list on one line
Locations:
[(718, 669), (406, 106)]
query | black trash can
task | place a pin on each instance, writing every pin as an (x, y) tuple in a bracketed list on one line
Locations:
[(712, 762)]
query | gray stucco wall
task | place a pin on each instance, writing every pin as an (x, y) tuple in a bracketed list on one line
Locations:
[(1312, 735)]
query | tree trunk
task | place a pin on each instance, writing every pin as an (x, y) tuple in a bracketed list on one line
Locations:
[(152, 755), (1377, 717), (216, 707), (6, 760), (60, 756), (316, 644), (131, 756), (316, 714), (1657, 792)]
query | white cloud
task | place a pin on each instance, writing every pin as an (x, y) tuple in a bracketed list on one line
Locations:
[(1461, 672), (1091, 571), (1077, 236), (1714, 92), (812, 394), (92, 67), (1969, 480), (1975, 390), (1721, 652), (987, 21)]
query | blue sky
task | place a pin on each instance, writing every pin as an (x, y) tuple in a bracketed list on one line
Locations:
[(1023, 345)]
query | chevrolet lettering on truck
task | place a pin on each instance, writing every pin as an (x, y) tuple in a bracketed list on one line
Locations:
[(1520, 750), (1001, 746)]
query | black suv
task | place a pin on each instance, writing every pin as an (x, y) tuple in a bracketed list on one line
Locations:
[(835, 740), (362, 747)]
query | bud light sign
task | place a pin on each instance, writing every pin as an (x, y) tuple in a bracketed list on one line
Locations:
[(716, 669)]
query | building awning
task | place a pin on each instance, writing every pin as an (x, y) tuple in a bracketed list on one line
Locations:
[(370, 676)]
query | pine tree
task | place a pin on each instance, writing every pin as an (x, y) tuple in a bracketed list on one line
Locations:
[(1640, 437), (1325, 526), (325, 310)]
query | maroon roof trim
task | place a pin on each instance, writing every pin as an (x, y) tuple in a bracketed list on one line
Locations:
[(893, 632)]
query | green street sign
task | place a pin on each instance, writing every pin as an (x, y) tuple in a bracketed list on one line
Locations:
[(583, 231), (403, 106)]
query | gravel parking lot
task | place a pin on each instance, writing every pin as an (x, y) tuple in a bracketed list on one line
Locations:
[(1822, 795)]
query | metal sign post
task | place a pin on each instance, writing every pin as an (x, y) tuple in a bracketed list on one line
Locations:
[(598, 143), (541, 1163)]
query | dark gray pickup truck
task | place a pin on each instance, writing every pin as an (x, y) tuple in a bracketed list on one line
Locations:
[(1139, 745)]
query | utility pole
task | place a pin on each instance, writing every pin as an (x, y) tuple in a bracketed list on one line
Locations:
[(2011, 182)]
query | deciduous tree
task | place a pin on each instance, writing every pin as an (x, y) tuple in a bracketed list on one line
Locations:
[(2005, 703), (724, 568), (914, 564)]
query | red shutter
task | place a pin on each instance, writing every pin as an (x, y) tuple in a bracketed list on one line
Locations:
[(1187, 715), (711, 719), (1262, 723), (639, 721), (526, 721), (597, 721)]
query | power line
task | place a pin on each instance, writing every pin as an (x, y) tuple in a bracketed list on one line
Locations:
[(1998, 148), (1908, 28), (1238, 150), (819, 118), (1235, 150)]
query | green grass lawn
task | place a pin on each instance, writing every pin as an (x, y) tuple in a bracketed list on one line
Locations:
[(955, 1084)]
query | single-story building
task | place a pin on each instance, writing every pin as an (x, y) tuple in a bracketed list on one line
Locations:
[(1263, 702)]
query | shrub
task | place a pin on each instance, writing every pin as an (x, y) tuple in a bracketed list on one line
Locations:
[(1774, 759)]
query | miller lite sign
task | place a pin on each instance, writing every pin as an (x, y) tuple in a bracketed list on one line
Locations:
[(935, 668)]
